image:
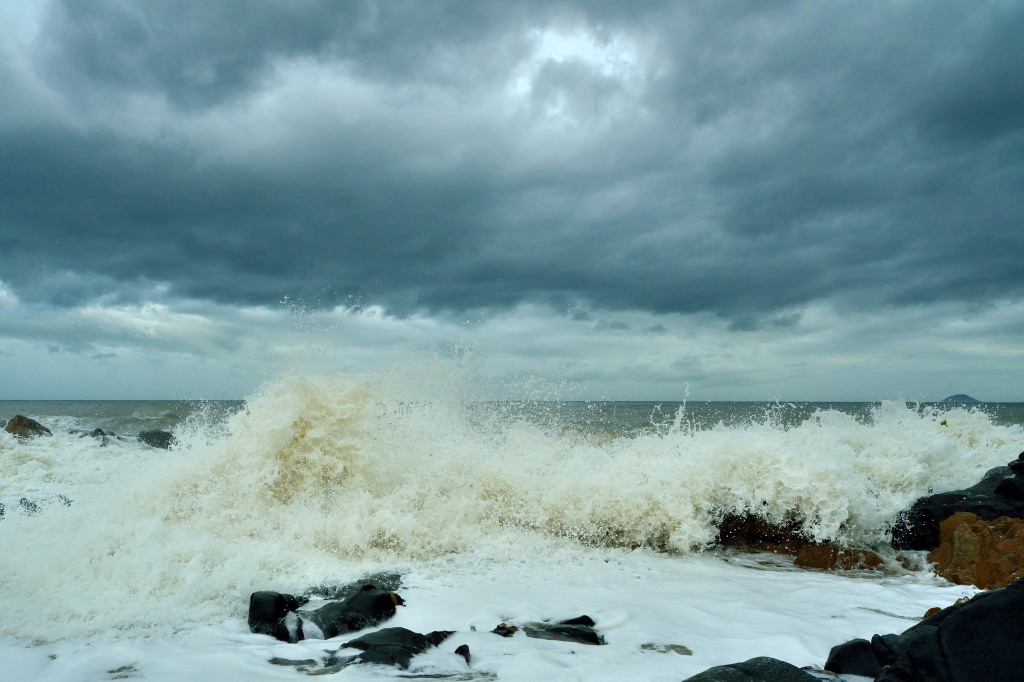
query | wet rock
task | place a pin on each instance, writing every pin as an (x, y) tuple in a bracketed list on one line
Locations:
[(761, 669), (578, 630), (505, 630), (754, 533), (268, 611), (394, 646), (463, 650), (968, 642), (990, 498), (386, 581), (828, 556), (368, 607), (856, 657), (973, 551), (22, 427), (158, 439)]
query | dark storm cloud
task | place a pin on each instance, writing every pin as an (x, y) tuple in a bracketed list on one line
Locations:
[(742, 159)]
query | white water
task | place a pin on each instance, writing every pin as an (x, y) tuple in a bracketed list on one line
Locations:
[(328, 478)]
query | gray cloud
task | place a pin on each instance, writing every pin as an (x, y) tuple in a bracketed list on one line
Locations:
[(741, 160)]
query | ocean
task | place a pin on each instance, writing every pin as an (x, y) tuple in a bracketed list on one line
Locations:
[(119, 560)]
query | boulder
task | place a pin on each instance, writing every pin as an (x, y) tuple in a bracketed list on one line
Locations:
[(829, 557), (973, 551), (368, 607), (158, 439), (752, 532), (994, 496), (393, 646), (761, 669), (277, 615), (856, 657), (23, 427), (968, 642), (578, 630)]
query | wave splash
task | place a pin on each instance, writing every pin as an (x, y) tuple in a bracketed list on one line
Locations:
[(327, 476)]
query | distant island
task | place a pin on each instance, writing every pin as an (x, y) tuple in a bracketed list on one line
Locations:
[(960, 398)]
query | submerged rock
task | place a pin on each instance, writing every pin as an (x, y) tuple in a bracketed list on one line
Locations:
[(752, 532), (23, 427), (761, 669), (973, 551), (828, 556), (394, 646), (579, 630)]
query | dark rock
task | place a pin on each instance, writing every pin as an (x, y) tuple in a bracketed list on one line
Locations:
[(968, 642), (960, 398), (389, 582), (918, 528), (761, 669), (23, 427), (752, 532), (856, 657), (368, 607), (505, 630), (158, 439), (463, 650), (578, 630), (268, 612), (393, 646), (884, 648)]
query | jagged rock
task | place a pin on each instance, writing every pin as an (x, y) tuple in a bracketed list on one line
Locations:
[(752, 532), (856, 657), (973, 551), (990, 498), (23, 427), (579, 630), (760, 669), (968, 642), (158, 439), (830, 557)]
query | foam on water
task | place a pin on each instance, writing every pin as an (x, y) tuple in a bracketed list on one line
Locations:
[(326, 477)]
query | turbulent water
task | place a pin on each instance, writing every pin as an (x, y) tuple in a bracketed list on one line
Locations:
[(327, 477)]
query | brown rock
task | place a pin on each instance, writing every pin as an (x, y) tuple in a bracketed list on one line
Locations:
[(752, 532), (23, 427), (988, 554), (829, 557)]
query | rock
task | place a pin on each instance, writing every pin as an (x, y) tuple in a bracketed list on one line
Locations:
[(829, 557), (23, 427), (158, 439), (752, 532), (578, 630), (918, 528), (394, 646), (389, 582), (463, 650), (368, 607), (973, 551), (969, 642), (856, 657), (268, 610), (761, 669), (505, 630)]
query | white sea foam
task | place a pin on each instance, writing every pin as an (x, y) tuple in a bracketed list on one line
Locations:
[(323, 478)]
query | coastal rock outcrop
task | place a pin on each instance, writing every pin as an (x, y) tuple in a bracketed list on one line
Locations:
[(974, 551), (747, 531), (999, 493), (23, 427), (830, 557)]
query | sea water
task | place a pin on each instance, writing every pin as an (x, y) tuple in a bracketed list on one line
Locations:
[(127, 561)]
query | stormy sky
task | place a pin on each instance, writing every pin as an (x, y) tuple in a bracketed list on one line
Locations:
[(738, 200)]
